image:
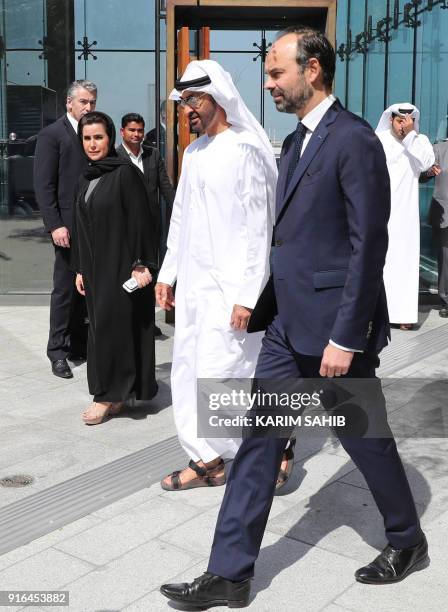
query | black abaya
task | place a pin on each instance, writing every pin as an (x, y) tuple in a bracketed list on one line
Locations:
[(114, 230)]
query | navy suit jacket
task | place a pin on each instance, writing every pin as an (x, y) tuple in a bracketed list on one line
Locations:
[(58, 165), (330, 240)]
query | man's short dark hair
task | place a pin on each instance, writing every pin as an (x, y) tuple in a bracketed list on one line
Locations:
[(312, 43), (130, 117)]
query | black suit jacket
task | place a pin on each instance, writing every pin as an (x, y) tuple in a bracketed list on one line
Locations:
[(155, 173), (151, 140), (331, 240), (58, 165)]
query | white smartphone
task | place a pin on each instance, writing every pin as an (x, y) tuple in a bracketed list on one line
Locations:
[(130, 285)]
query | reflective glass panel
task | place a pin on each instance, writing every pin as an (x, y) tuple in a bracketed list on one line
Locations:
[(432, 101), (125, 83), (400, 65), (375, 64), (116, 24), (25, 68), (234, 40), (341, 38), (25, 23), (356, 65)]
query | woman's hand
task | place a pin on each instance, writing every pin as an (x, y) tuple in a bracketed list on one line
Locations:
[(80, 284), (142, 276)]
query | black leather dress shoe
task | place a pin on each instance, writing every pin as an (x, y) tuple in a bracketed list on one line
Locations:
[(393, 564), (209, 590), (443, 312), (61, 368), (157, 331)]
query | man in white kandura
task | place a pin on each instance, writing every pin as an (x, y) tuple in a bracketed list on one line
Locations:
[(218, 252), (408, 153)]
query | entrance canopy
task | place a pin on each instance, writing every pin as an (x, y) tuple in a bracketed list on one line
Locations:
[(189, 23), (249, 17)]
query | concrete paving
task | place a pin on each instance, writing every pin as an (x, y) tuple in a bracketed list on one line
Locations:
[(322, 527)]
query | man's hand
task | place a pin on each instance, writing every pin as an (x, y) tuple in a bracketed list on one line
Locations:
[(142, 275), (164, 296), (240, 317), (434, 170), (335, 362), (407, 125), (80, 284), (61, 237)]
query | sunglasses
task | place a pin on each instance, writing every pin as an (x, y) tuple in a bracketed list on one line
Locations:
[(193, 101)]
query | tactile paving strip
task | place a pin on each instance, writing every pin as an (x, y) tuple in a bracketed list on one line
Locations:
[(43, 512), (404, 353)]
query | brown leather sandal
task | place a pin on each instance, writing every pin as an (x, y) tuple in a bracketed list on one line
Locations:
[(284, 475), (206, 477)]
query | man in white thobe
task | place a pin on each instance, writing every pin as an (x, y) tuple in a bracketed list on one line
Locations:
[(408, 153), (218, 253)]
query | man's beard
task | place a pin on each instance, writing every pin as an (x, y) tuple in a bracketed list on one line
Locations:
[(197, 128), (397, 133), (295, 99)]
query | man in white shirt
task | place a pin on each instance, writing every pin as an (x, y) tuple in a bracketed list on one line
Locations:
[(146, 158), (132, 132)]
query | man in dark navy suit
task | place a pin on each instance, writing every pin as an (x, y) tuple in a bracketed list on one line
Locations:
[(325, 315), (58, 165)]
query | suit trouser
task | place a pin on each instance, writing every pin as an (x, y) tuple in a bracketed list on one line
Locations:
[(440, 236), (251, 484), (68, 331)]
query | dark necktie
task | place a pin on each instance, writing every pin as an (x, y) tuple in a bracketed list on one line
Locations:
[(299, 137)]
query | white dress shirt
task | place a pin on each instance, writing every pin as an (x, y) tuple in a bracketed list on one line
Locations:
[(136, 159), (73, 122), (314, 117)]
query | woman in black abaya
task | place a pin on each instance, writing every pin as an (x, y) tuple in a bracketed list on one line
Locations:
[(115, 237)]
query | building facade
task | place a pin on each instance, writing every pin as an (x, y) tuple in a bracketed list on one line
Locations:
[(387, 51)]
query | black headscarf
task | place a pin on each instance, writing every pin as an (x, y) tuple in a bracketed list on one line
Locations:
[(95, 169)]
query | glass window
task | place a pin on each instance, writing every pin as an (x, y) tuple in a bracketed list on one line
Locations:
[(356, 65), (125, 83), (432, 68), (234, 40), (29, 264), (115, 24), (341, 38), (375, 64), (400, 65), (25, 68), (25, 23), (432, 101)]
